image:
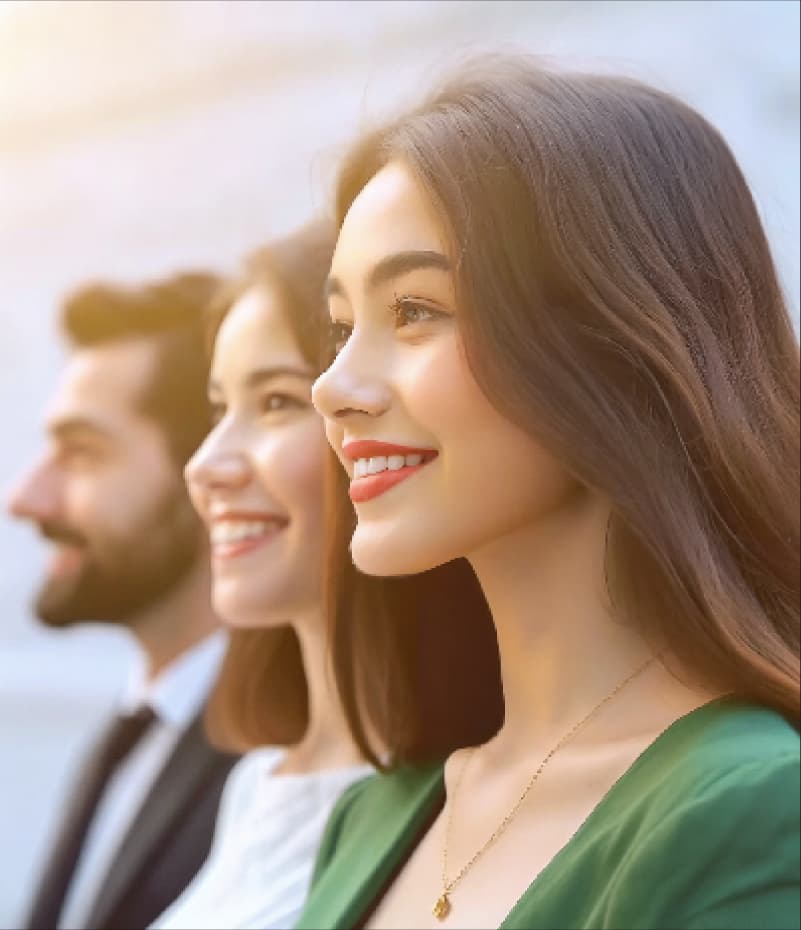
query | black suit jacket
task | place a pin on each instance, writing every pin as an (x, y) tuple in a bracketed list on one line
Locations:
[(167, 843)]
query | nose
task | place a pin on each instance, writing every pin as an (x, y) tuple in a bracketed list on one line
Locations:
[(353, 385), (217, 464), (35, 496)]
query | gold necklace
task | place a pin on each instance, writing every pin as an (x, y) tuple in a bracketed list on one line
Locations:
[(443, 906)]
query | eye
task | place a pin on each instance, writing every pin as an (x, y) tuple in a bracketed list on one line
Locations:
[(275, 401), (338, 335), (79, 455), (408, 311)]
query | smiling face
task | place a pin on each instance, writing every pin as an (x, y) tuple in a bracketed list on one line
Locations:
[(257, 481), (447, 474), (108, 493)]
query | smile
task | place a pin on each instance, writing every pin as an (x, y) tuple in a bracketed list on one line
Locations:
[(234, 536), (67, 560), (379, 466)]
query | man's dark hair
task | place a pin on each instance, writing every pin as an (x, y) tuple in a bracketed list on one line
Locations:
[(171, 312)]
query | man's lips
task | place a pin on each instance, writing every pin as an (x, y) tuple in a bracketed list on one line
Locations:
[(66, 560), (395, 463)]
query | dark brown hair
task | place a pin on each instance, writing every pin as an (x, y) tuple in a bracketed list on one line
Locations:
[(618, 300), (172, 313), (415, 658), (260, 697)]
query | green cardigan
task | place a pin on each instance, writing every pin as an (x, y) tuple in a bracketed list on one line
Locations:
[(701, 832)]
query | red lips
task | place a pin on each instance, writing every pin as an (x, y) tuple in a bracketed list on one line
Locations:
[(368, 448), (370, 486)]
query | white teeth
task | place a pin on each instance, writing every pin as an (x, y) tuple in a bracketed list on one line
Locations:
[(233, 531), (378, 463)]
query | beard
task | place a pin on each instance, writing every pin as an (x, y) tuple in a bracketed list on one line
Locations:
[(120, 577)]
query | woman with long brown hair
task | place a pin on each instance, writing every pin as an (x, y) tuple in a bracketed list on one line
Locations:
[(563, 356), (258, 484)]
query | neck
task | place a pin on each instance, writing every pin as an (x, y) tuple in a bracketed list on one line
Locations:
[(327, 742), (561, 649), (178, 621)]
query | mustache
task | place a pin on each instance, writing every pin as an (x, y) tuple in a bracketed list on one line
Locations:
[(61, 533)]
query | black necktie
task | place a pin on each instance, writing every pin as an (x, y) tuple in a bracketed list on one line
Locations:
[(119, 739)]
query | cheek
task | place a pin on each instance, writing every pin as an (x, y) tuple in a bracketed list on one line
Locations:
[(309, 467), (146, 484), (491, 477), (291, 469), (507, 477), (334, 434), (441, 396), (104, 502), (197, 500)]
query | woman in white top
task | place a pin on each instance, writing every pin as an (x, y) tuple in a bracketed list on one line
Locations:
[(257, 482)]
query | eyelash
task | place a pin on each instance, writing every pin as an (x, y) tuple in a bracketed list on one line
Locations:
[(404, 304), (339, 332)]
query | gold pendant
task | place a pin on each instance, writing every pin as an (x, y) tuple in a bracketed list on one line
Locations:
[(443, 907)]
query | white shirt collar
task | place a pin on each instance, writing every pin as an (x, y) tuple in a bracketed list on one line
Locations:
[(177, 693)]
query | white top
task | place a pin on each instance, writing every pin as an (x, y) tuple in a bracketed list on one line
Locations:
[(265, 844), (176, 695)]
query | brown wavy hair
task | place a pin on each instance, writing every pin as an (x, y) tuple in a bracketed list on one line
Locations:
[(618, 300), (260, 697)]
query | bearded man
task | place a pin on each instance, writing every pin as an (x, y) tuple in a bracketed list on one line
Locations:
[(128, 549)]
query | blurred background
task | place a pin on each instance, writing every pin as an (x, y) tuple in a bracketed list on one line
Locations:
[(138, 138)]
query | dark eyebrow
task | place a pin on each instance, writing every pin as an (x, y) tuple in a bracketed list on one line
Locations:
[(392, 266), (69, 427), (262, 375)]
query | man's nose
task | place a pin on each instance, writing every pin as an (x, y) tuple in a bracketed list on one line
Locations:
[(35, 496)]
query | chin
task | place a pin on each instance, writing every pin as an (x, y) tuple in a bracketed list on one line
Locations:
[(238, 619), (263, 606), (392, 554), (240, 612)]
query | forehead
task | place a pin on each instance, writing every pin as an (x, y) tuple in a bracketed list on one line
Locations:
[(254, 334), (106, 383), (391, 214)]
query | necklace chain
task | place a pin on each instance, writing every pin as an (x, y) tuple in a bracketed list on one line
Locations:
[(442, 907)]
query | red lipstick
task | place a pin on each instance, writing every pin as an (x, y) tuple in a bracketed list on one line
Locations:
[(366, 487)]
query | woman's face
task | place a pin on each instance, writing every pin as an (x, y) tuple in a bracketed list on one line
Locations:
[(436, 471), (257, 480)]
